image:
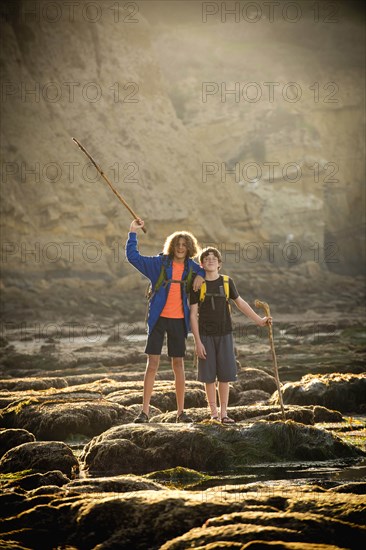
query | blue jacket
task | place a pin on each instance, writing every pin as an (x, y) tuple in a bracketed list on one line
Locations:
[(150, 266)]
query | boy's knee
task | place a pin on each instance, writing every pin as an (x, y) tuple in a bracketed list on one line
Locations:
[(177, 362), (153, 363)]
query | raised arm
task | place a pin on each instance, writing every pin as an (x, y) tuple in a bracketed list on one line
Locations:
[(147, 265)]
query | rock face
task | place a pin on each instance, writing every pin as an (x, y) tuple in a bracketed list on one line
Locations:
[(209, 448), (61, 202), (290, 209), (344, 392)]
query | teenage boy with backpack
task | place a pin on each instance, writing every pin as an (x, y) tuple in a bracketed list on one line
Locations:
[(212, 331), (170, 275)]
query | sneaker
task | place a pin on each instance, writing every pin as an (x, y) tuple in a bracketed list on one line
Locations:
[(183, 417), (142, 418)]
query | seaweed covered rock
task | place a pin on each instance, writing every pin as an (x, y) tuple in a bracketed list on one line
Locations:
[(30, 482), (233, 516), (208, 447), (255, 379), (40, 456), (306, 415), (267, 530), (163, 397), (113, 484), (12, 438), (343, 392), (58, 420), (32, 383), (250, 397)]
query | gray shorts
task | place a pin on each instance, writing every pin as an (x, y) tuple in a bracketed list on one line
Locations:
[(220, 360)]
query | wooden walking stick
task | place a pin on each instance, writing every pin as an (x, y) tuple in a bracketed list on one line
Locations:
[(265, 306), (134, 215)]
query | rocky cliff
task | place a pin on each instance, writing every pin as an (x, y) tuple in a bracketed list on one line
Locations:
[(243, 128)]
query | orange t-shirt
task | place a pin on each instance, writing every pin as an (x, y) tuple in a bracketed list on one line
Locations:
[(173, 308)]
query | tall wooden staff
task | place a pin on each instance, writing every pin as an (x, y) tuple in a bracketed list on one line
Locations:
[(265, 306), (134, 215)]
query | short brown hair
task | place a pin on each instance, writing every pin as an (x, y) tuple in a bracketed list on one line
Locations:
[(172, 241), (206, 251)]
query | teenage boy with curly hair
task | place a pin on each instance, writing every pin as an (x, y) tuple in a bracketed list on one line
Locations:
[(168, 307)]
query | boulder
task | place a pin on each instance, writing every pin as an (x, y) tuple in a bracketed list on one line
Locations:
[(12, 438), (343, 392), (58, 420), (208, 447), (322, 414), (34, 481), (40, 456), (250, 397), (255, 379)]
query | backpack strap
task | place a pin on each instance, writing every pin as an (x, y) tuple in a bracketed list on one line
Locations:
[(186, 281), (226, 286), (204, 293), (164, 281), (189, 280), (203, 289)]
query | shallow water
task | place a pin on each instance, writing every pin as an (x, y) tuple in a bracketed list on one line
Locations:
[(263, 477)]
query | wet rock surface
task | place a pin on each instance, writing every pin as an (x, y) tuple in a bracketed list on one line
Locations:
[(73, 467), (161, 518)]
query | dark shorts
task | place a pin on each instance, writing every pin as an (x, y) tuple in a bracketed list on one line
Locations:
[(220, 360), (175, 330)]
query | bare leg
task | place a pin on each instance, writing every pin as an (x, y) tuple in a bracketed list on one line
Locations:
[(211, 397), (223, 398), (178, 368), (149, 379)]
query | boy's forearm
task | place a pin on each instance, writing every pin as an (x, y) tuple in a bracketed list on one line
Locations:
[(194, 327), (245, 308)]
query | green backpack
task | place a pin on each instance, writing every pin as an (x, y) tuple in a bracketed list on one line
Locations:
[(164, 281)]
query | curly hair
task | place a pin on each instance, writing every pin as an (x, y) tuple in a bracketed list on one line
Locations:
[(191, 242)]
